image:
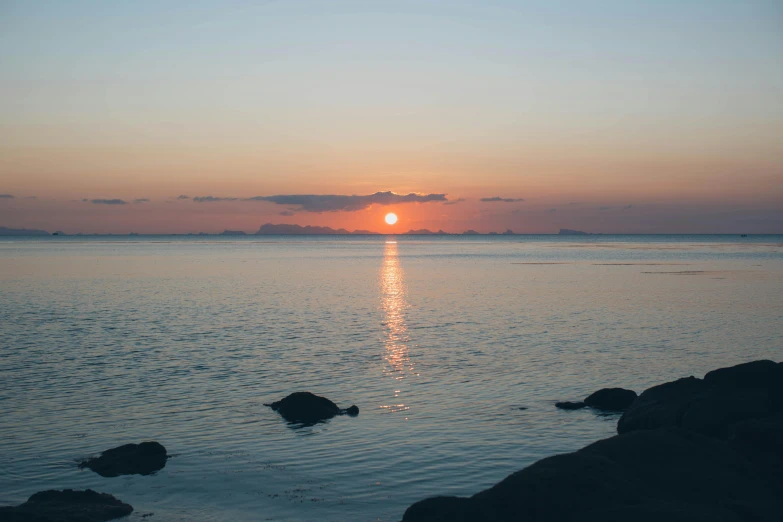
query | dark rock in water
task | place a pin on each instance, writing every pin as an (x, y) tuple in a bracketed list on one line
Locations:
[(66, 506), (710, 406), (308, 408), (688, 450), (613, 399), (570, 405), (130, 459), (668, 474)]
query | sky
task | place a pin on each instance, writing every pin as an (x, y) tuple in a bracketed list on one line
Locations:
[(189, 116)]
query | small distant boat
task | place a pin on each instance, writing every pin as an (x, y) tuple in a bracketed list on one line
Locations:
[(743, 235)]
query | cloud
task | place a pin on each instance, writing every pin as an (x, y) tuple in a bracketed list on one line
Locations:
[(31, 197), (605, 208), (339, 203), (287, 213), (6, 196), (454, 201), (552, 210), (210, 199), (498, 199), (141, 200), (183, 196), (627, 207), (107, 201)]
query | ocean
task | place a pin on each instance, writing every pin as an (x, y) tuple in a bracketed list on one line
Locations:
[(454, 348)]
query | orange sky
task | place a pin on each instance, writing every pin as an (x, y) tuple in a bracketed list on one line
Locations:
[(658, 118)]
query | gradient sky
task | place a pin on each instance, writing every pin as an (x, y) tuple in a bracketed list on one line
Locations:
[(615, 116)]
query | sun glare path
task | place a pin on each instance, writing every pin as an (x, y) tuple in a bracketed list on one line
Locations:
[(391, 218)]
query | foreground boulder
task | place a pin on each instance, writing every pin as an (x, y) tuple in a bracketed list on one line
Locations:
[(130, 459), (668, 474), (308, 408), (710, 406), (66, 506), (688, 450)]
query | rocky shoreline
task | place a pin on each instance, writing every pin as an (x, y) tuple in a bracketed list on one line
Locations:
[(689, 450)]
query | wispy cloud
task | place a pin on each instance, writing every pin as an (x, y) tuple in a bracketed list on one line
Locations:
[(141, 200), (454, 201), (107, 201), (31, 197), (552, 210), (183, 196), (498, 199), (287, 213), (6, 196), (340, 203), (210, 199), (627, 207)]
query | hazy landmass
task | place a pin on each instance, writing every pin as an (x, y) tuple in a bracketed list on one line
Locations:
[(4, 231), (233, 233), (424, 232), (569, 232), (271, 229)]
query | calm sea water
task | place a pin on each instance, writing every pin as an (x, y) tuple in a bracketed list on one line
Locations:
[(439, 341)]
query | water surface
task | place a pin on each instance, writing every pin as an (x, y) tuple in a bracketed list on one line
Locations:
[(439, 341)]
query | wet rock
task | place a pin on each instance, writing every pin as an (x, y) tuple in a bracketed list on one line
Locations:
[(308, 408), (570, 405), (130, 459), (67, 506), (667, 474), (611, 399), (712, 405)]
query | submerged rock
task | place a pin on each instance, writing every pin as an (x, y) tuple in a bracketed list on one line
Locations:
[(130, 459), (613, 399), (67, 506), (308, 408), (669, 474)]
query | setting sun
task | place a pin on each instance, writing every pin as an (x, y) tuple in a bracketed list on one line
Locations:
[(391, 218)]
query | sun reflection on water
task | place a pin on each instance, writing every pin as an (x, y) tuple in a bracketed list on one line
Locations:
[(395, 332)]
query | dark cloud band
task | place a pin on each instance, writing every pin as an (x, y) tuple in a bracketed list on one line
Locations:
[(339, 203), (498, 199)]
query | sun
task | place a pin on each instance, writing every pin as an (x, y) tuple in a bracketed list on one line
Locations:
[(391, 218)]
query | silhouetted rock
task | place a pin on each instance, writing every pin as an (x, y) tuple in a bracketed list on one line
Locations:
[(710, 406), (668, 474), (688, 450), (570, 405), (612, 399), (130, 459), (308, 408), (66, 506)]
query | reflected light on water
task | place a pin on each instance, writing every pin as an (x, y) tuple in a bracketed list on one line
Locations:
[(395, 332)]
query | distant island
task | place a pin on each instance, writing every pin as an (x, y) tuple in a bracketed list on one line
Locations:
[(270, 229), (569, 232), (424, 232), (233, 233), (5, 231)]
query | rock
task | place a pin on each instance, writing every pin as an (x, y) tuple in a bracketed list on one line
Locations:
[(709, 406), (308, 408), (612, 399), (570, 405), (66, 506), (647, 475), (130, 459)]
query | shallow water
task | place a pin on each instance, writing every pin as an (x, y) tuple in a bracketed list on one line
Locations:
[(439, 341)]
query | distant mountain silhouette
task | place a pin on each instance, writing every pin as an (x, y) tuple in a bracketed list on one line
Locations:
[(233, 233), (569, 232), (470, 233), (271, 229), (424, 232), (508, 232), (4, 231)]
